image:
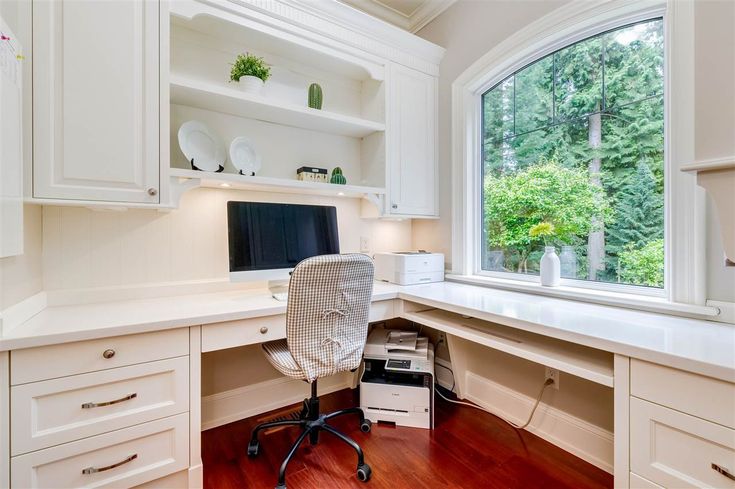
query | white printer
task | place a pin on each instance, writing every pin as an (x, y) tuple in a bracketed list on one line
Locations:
[(397, 385), (409, 267)]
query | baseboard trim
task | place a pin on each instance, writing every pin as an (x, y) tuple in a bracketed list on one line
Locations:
[(578, 437), (250, 400)]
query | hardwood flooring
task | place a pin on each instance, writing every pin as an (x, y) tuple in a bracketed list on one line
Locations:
[(467, 449)]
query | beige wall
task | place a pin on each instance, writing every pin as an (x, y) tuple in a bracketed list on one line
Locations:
[(468, 29), (21, 276), (715, 119), (85, 248)]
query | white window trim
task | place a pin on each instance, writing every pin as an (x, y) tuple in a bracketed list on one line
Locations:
[(685, 279)]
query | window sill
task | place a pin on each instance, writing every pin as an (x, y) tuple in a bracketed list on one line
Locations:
[(607, 298)]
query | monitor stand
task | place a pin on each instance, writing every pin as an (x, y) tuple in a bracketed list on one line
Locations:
[(278, 289)]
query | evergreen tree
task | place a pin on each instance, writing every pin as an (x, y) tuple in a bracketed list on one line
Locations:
[(639, 216)]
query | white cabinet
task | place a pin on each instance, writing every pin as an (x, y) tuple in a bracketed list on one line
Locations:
[(412, 142), (96, 100)]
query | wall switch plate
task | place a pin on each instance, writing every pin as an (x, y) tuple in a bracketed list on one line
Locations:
[(553, 374), (364, 244)]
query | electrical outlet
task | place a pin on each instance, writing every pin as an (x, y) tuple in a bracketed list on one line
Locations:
[(553, 374), (364, 244), (442, 339)]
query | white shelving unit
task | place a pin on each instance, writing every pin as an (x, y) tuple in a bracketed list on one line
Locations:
[(268, 184), (208, 96), (587, 363)]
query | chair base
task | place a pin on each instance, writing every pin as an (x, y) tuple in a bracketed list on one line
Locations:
[(312, 423)]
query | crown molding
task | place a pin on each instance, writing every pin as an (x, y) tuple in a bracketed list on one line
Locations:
[(424, 14)]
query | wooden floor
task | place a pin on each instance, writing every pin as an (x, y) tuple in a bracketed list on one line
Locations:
[(468, 449)]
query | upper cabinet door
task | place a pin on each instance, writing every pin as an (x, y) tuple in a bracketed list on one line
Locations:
[(411, 139), (96, 100)]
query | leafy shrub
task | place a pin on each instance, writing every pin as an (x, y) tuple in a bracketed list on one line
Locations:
[(644, 265), (249, 65)]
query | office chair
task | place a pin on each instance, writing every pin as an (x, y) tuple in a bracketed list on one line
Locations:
[(326, 329)]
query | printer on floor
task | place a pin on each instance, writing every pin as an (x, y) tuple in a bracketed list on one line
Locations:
[(397, 385), (409, 267)]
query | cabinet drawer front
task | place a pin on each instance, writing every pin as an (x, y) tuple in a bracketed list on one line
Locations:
[(705, 397), (382, 310), (229, 334), (50, 362), (638, 482), (61, 410), (122, 458), (674, 449)]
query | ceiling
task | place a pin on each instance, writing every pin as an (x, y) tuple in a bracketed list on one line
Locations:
[(410, 15)]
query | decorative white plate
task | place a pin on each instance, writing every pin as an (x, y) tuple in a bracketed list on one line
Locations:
[(202, 148), (244, 157)]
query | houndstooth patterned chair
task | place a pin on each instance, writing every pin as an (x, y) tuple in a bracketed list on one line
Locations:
[(326, 329)]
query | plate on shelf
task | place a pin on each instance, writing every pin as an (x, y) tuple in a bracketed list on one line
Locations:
[(244, 157), (202, 148)]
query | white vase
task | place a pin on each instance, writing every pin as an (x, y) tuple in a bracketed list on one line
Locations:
[(251, 84), (550, 268)]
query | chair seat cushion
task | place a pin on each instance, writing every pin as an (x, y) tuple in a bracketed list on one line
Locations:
[(277, 353)]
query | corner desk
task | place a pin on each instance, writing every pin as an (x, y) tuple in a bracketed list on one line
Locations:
[(111, 390)]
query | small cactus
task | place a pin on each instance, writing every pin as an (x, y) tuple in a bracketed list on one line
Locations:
[(315, 96), (337, 177)]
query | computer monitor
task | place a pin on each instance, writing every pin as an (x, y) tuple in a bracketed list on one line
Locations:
[(267, 240)]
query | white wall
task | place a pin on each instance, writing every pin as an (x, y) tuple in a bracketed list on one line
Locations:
[(468, 29), (83, 248), (715, 119), (21, 276)]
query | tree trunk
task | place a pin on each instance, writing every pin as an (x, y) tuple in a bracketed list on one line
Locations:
[(596, 237)]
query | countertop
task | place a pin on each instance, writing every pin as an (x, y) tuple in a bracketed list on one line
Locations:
[(690, 344)]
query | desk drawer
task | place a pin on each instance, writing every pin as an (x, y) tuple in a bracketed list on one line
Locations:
[(675, 450), (229, 334), (51, 412), (50, 362), (122, 458), (705, 397)]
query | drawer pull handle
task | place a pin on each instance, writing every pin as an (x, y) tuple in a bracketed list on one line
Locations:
[(108, 354), (264, 330), (94, 470), (90, 405), (723, 471)]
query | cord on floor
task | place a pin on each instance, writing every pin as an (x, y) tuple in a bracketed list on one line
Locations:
[(547, 383)]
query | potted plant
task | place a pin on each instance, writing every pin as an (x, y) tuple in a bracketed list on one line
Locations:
[(550, 265), (250, 72)]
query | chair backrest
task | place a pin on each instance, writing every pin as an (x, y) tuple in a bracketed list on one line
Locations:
[(327, 313)]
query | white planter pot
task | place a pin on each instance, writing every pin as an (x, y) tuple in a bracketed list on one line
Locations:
[(251, 84), (550, 268)]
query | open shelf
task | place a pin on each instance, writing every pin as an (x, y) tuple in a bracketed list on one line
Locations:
[(209, 96), (241, 182), (587, 363)]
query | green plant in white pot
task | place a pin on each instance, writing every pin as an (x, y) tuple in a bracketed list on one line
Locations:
[(250, 72)]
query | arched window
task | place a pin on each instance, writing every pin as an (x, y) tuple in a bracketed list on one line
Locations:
[(572, 155)]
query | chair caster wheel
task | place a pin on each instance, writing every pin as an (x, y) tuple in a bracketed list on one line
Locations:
[(364, 472), (365, 426), (281, 486), (253, 448)]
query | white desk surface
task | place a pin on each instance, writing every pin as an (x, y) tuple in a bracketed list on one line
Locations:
[(699, 346)]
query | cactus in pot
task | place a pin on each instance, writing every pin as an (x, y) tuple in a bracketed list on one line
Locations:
[(315, 96), (337, 177)]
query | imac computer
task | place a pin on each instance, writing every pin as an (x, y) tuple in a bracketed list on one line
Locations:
[(267, 240)]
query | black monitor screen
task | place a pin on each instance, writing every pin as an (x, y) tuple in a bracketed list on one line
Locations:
[(265, 236)]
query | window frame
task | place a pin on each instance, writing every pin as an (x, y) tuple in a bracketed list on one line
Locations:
[(684, 232)]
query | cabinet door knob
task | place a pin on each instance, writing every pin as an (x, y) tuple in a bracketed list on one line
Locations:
[(263, 330), (152, 192), (108, 353), (394, 206)]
